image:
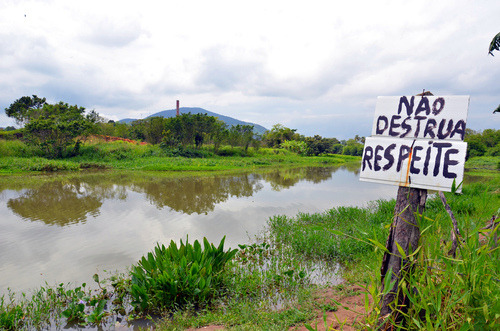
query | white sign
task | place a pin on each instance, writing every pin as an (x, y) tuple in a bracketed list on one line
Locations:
[(417, 142)]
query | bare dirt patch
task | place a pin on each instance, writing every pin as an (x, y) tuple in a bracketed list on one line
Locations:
[(339, 308)]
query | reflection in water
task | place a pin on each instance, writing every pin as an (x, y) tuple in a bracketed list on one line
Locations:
[(285, 178), (197, 195), (64, 202), (55, 203)]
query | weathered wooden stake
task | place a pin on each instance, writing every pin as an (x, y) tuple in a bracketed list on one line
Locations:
[(406, 232)]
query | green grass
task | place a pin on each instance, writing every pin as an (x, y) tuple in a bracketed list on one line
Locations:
[(12, 164), (119, 155), (312, 236), (483, 162)]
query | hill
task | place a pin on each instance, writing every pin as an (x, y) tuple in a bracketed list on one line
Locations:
[(230, 121)]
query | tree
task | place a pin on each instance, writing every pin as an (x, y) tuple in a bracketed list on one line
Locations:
[(154, 128), (219, 134), (278, 134), (233, 136), (52, 128), (353, 146), (245, 133), (25, 108), (482, 143)]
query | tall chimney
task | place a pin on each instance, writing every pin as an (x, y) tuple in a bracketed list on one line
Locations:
[(178, 108)]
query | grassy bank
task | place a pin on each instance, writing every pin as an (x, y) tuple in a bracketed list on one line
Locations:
[(17, 157), (483, 162)]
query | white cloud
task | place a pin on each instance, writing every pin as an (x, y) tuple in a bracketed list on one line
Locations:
[(259, 61)]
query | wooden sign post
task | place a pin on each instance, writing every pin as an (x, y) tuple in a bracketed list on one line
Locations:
[(417, 144)]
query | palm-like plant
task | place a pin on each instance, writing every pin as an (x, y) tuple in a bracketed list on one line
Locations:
[(495, 44)]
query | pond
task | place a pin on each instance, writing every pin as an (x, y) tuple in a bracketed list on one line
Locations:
[(65, 228)]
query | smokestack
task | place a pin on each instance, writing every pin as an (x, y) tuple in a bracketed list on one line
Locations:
[(178, 108)]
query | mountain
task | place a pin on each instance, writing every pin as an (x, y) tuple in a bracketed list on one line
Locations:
[(195, 110)]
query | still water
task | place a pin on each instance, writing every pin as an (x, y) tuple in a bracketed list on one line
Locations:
[(60, 229)]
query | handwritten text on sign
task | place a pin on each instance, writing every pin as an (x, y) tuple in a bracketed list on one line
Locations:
[(417, 142), (429, 117)]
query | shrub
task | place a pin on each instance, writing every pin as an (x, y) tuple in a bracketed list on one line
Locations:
[(295, 146), (225, 151)]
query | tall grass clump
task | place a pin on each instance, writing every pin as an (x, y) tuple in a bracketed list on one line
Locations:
[(11, 315), (443, 292), (316, 235)]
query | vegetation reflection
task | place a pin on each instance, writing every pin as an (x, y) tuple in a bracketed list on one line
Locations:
[(66, 201)]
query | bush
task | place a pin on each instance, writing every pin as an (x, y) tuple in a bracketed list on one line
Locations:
[(177, 276), (295, 146), (11, 134), (118, 150), (226, 151), (186, 152)]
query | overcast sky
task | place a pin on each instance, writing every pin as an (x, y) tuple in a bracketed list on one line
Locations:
[(314, 66)]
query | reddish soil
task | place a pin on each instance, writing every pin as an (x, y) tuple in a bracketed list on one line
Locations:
[(352, 297), (109, 138)]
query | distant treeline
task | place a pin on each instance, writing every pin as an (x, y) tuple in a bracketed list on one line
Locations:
[(199, 129), (485, 143), (58, 130)]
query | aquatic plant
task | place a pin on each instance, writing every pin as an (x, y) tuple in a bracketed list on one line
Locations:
[(177, 276)]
